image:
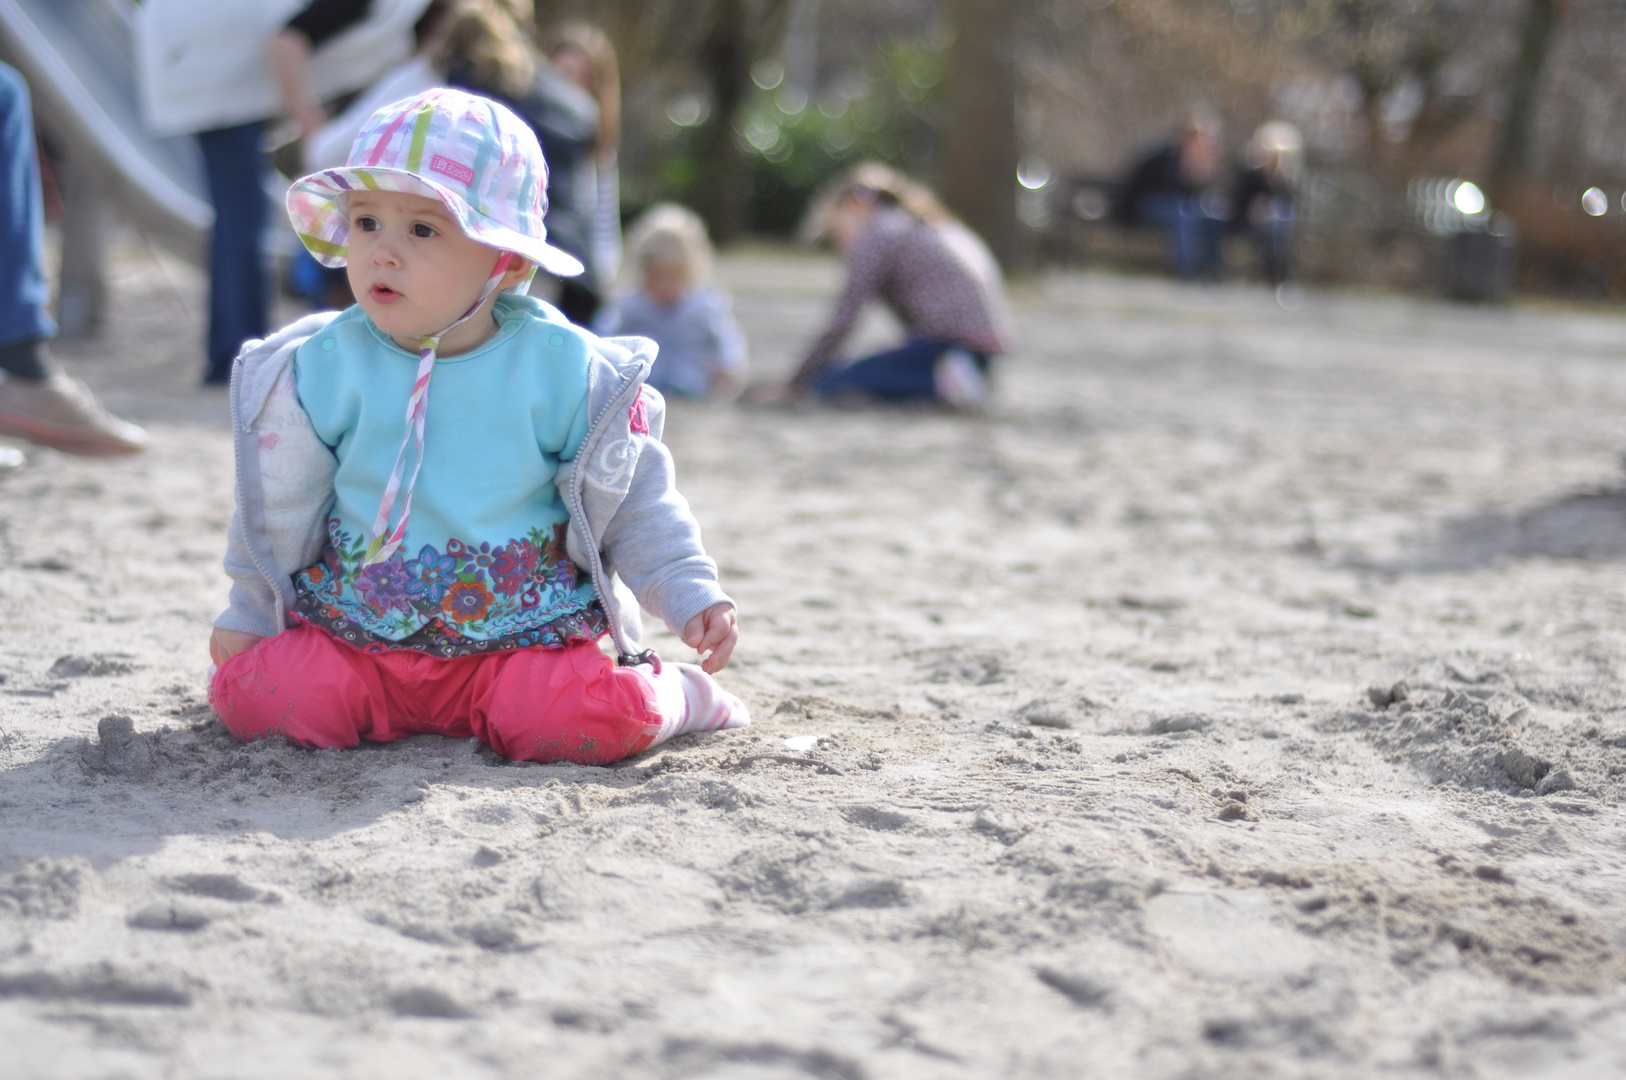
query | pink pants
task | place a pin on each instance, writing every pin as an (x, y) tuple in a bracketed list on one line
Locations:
[(305, 684)]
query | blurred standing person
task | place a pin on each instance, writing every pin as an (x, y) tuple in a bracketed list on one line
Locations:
[(219, 70), (1167, 188), (702, 352), (902, 247), (1263, 203), (584, 53), (38, 402), (486, 48), (329, 146)]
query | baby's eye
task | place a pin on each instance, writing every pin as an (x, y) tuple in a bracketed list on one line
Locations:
[(367, 224), (422, 231)]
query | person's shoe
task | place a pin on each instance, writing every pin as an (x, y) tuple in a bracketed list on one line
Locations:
[(62, 413), (958, 382)]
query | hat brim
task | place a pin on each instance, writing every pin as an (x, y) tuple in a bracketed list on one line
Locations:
[(315, 208)]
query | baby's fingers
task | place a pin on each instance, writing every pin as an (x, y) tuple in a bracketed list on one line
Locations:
[(718, 630), (720, 653), (695, 632), (712, 633)]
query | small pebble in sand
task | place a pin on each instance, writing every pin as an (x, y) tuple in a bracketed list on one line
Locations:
[(1523, 769), (1167, 725), (219, 887), (429, 1002), (1557, 780), (1384, 696), (115, 732), (1042, 712), (95, 666), (117, 750), (169, 915), (1079, 989)]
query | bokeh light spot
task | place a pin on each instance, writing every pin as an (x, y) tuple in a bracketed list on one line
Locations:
[(686, 111), (1468, 199), (768, 74), (1033, 173)]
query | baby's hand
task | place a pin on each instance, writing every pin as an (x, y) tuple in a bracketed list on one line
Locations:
[(225, 644), (713, 631)]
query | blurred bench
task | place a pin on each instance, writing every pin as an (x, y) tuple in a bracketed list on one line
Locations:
[(1080, 228)]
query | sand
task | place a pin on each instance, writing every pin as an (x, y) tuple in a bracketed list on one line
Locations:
[(1241, 697)]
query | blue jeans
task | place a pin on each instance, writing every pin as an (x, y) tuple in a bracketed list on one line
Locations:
[(23, 289), (1194, 235), (901, 374), (1274, 236), (238, 285)]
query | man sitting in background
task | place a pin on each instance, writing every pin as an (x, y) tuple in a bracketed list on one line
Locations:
[(1263, 202), (1167, 188)]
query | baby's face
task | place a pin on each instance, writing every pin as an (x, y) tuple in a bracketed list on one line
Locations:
[(665, 283), (414, 271)]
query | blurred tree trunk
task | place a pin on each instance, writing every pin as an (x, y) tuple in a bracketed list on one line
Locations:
[(979, 153), (1512, 160), (741, 32), (722, 196)]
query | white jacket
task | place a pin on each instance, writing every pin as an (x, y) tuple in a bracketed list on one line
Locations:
[(329, 147), (202, 64)]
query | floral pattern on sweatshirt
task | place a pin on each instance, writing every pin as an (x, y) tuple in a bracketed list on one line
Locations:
[(439, 640), (463, 591)]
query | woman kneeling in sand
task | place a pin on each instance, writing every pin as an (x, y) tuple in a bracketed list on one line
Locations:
[(935, 275)]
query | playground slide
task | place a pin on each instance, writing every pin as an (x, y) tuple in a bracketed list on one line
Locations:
[(79, 59)]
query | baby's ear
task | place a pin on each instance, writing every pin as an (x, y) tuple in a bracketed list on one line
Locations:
[(519, 269)]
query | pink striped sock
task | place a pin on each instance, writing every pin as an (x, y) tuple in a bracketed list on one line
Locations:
[(691, 701)]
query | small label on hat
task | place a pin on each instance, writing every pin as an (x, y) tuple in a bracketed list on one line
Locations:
[(456, 170)]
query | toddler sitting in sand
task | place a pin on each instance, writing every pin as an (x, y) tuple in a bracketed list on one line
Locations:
[(405, 565), (702, 351)]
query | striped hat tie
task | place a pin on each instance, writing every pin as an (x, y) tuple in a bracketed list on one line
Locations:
[(383, 541)]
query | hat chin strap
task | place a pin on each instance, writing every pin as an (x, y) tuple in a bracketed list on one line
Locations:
[(383, 541)]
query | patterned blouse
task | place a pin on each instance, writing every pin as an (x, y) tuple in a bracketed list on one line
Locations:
[(939, 280)]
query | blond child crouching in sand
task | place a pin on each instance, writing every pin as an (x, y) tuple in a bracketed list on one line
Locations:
[(702, 352), (405, 561)]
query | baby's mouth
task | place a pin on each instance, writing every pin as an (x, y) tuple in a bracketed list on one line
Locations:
[(383, 294)]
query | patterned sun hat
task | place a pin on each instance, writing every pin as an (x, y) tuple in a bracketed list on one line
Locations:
[(472, 154)]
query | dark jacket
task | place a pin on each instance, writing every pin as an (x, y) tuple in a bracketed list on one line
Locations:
[(565, 119), (1158, 173), (1255, 188)]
